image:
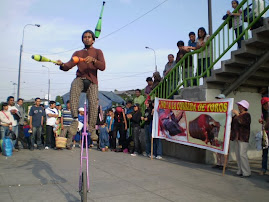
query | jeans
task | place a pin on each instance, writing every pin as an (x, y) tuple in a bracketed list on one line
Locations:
[(139, 140), (4, 130), (148, 130), (120, 127), (264, 159), (50, 139), (104, 140), (157, 147), (36, 136), (15, 130), (237, 34)]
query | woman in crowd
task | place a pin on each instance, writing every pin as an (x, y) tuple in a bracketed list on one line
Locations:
[(5, 120), (148, 117), (265, 125), (240, 132), (203, 57)]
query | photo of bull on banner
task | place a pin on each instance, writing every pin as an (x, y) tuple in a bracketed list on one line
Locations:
[(205, 125)]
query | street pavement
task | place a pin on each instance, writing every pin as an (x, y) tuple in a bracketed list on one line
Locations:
[(51, 175)]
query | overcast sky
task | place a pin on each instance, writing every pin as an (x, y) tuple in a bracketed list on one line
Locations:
[(128, 63)]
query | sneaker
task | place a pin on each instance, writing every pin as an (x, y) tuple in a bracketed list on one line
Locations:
[(74, 145), (159, 157), (15, 150), (91, 145), (125, 151), (46, 147), (145, 154), (74, 127), (106, 148), (134, 154), (103, 149)]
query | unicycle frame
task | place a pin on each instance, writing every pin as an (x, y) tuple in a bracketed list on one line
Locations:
[(82, 152)]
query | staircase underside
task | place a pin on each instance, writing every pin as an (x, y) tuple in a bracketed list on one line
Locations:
[(241, 68)]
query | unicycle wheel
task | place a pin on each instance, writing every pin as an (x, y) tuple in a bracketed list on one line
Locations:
[(83, 190)]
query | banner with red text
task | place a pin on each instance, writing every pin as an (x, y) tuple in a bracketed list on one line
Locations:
[(205, 125)]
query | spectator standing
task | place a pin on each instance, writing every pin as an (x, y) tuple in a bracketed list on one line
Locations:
[(220, 157), (148, 88), (157, 143), (265, 126), (192, 42), (187, 65), (240, 132), (77, 138), (36, 124), (139, 99), (97, 126), (5, 120), (203, 57), (27, 135), (59, 108), (169, 65), (148, 117), (51, 115), (156, 79), (110, 123), (21, 114), (237, 22), (66, 121), (14, 118), (120, 125), (139, 140)]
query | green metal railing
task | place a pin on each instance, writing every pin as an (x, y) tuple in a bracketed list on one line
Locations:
[(198, 64)]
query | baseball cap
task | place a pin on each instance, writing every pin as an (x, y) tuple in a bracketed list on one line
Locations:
[(264, 100), (220, 96), (136, 105), (58, 103), (81, 109)]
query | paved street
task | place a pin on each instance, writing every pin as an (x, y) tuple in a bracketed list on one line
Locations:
[(51, 175)]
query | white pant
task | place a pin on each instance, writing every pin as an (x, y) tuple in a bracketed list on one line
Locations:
[(242, 158)]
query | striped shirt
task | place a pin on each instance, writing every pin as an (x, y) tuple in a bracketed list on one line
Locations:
[(67, 117)]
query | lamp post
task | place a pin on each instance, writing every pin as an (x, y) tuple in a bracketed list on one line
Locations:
[(210, 17), (154, 56), (21, 49), (48, 82)]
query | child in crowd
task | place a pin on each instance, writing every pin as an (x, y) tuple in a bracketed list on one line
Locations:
[(26, 132), (57, 127), (110, 125), (104, 136), (237, 22)]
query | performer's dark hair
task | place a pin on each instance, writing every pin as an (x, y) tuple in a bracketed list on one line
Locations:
[(88, 31)]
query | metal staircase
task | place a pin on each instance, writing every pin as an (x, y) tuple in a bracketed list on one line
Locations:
[(248, 66)]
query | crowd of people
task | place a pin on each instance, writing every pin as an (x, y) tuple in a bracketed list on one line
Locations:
[(118, 129)]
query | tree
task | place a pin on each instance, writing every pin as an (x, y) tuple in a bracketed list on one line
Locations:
[(59, 99)]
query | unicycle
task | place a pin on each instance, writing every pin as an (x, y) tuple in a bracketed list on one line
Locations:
[(84, 184)]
